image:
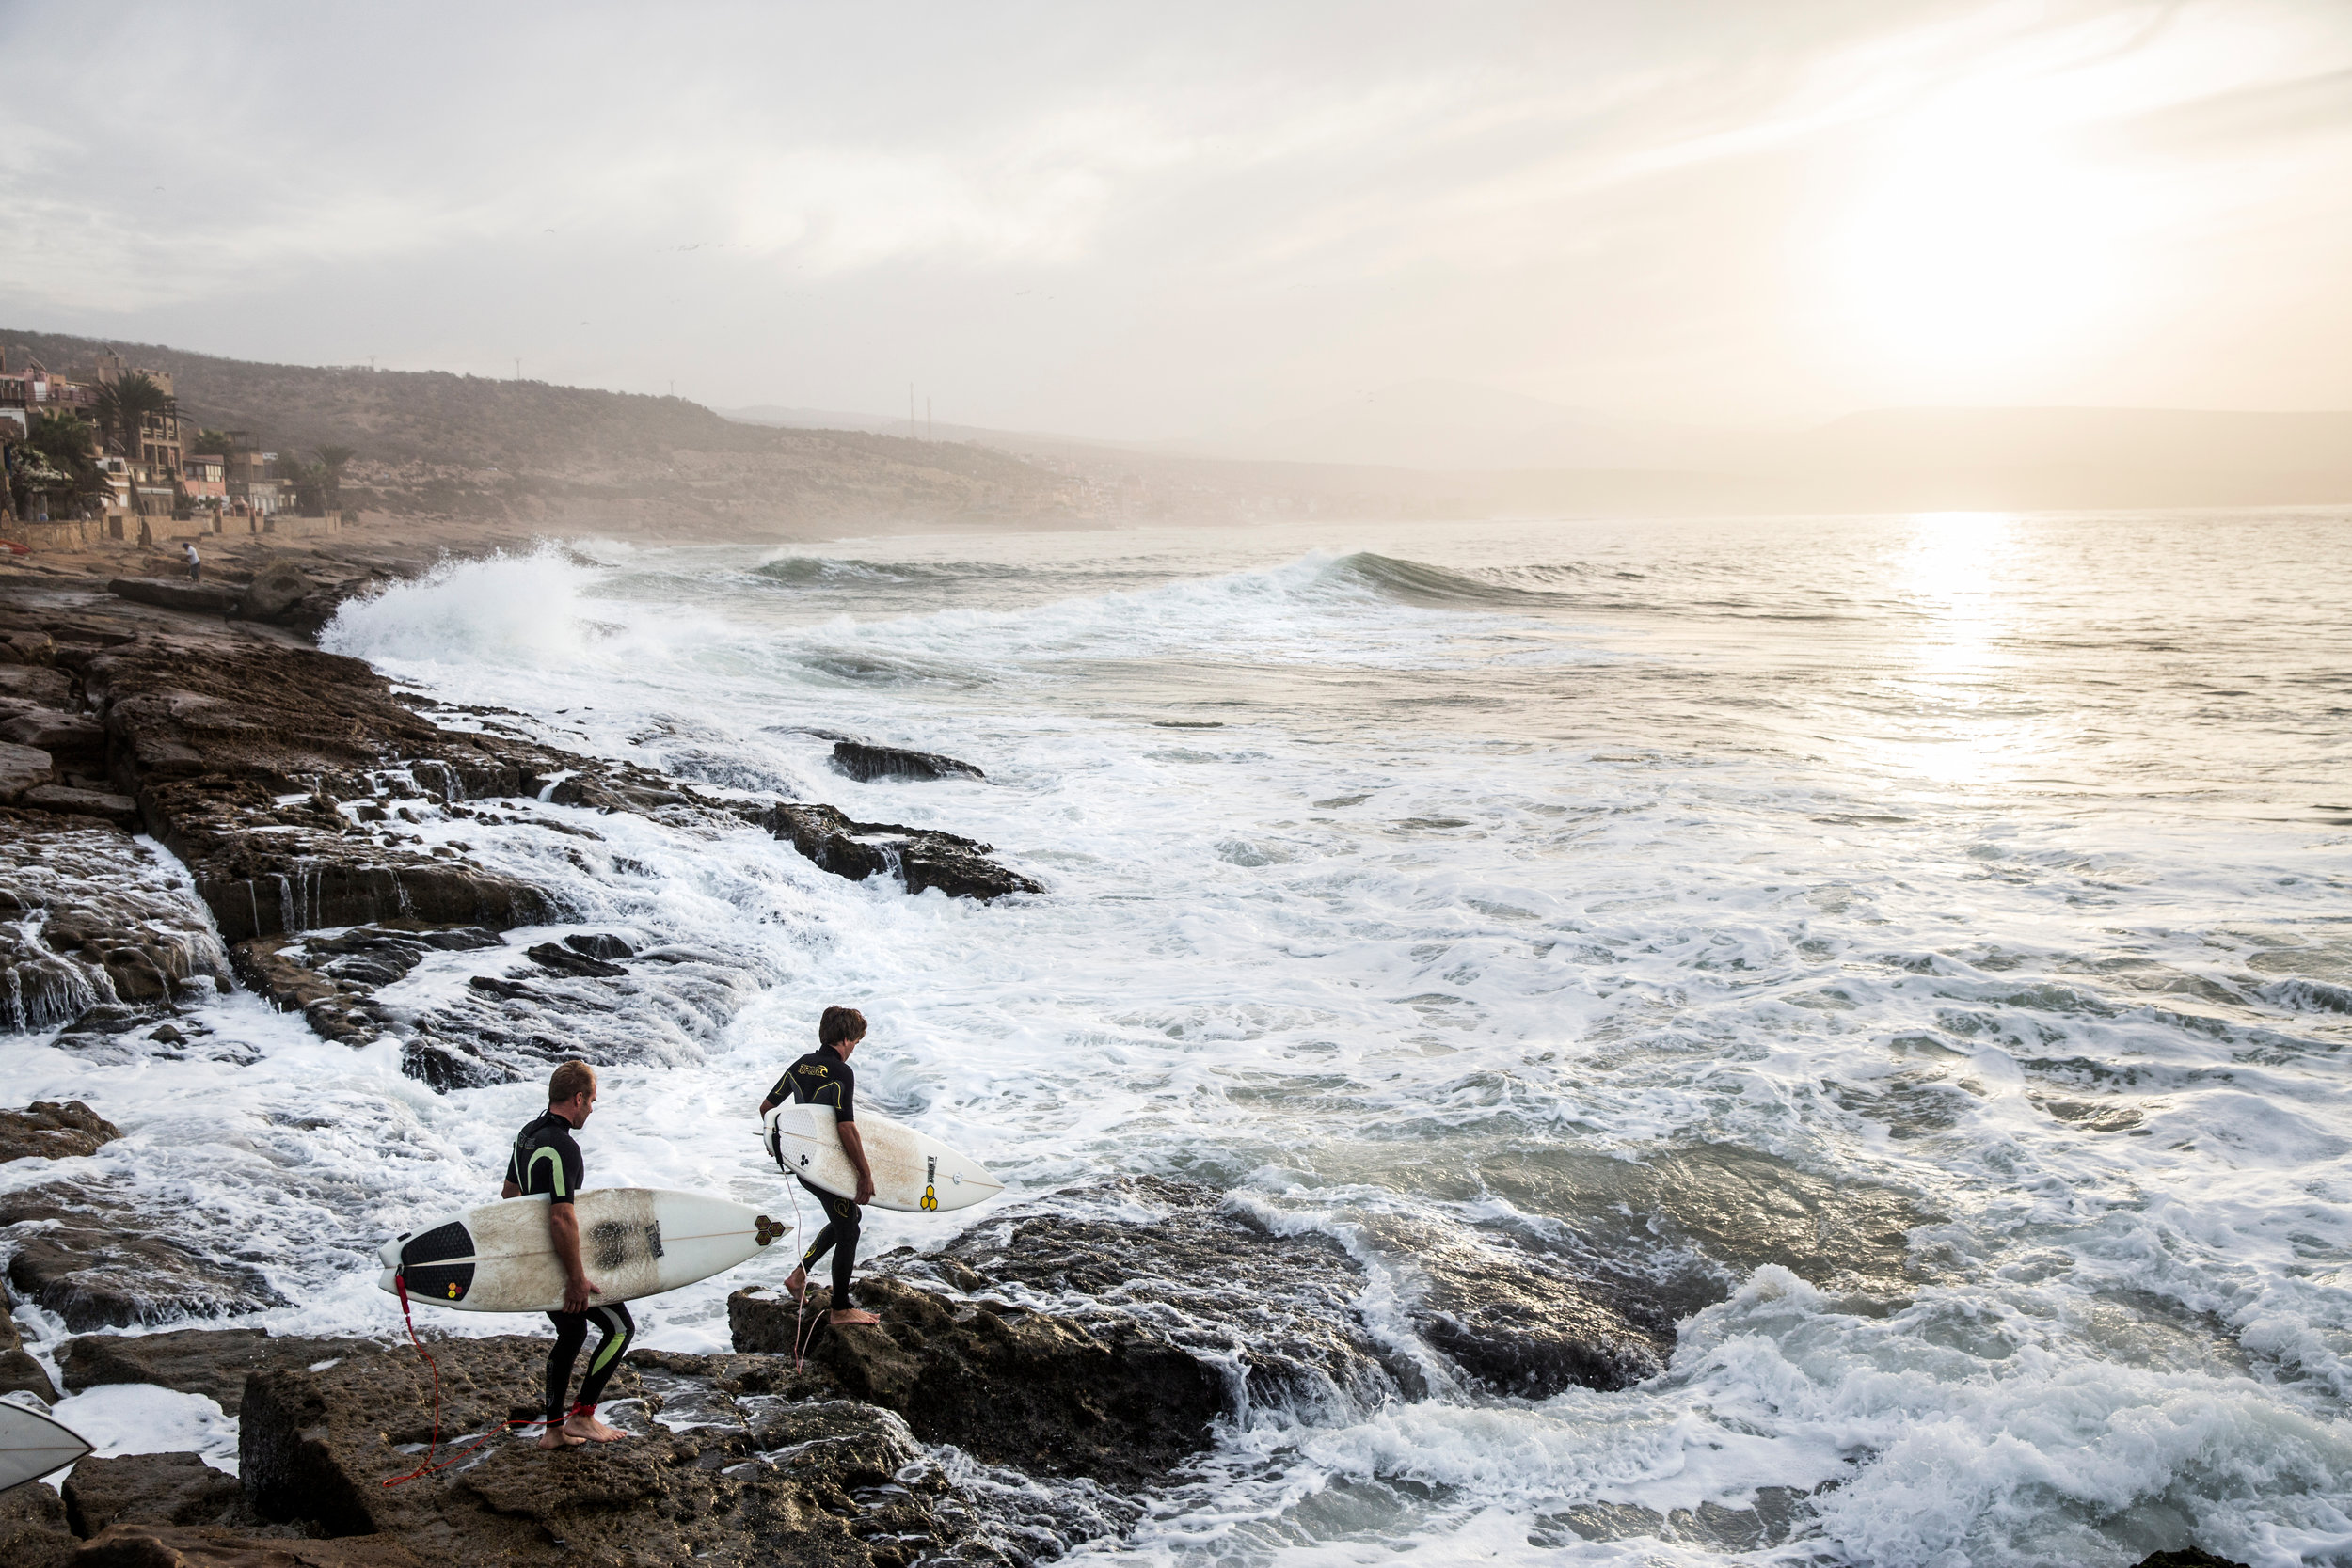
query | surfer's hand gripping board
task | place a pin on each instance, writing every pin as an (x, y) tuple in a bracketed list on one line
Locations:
[(635, 1242), (913, 1171)]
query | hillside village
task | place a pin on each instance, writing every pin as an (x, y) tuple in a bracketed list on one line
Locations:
[(108, 445), (110, 457), (291, 450)]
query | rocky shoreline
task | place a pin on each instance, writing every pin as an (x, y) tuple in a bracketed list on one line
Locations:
[(1033, 1384)]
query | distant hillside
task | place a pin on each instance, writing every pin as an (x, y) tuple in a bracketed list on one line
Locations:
[(433, 442)]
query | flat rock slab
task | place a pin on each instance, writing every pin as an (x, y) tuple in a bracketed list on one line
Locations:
[(148, 1489), (21, 768), (36, 684), (214, 1362), (868, 763), (210, 1547), (119, 811), (824, 1482), (71, 739), (198, 598)]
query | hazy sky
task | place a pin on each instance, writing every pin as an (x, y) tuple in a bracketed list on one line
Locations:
[(1159, 220)]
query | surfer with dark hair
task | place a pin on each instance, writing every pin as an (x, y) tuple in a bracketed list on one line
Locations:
[(547, 1160), (823, 1078)]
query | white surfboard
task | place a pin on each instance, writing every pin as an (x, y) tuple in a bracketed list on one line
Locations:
[(33, 1446), (635, 1241), (913, 1171)]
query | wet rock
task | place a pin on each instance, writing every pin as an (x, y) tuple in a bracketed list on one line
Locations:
[(1109, 1400), (213, 1546), (88, 918), (866, 763), (22, 769), (1724, 1209), (2188, 1557), (94, 1261), (562, 960), (214, 1362), (209, 738), (33, 1532), (19, 1372), (807, 1485), (505, 990), (119, 811), (332, 979), (611, 949), (47, 1130), (1527, 1327), (1277, 1312), (275, 591), (446, 1064), (920, 858), (147, 1489), (195, 598)]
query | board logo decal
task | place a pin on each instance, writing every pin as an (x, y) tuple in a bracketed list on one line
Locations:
[(930, 1184), (767, 1230)]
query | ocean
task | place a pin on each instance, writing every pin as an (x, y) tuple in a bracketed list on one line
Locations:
[(1915, 950)]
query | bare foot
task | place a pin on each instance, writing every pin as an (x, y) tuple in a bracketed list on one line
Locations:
[(850, 1315), (554, 1438), (797, 1286), (582, 1429)]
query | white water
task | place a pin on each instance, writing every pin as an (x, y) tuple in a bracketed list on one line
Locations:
[(1911, 853)]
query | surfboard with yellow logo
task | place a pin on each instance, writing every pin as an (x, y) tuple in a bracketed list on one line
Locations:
[(913, 1171)]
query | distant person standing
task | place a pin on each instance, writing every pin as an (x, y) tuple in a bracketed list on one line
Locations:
[(547, 1160), (196, 562), (823, 1078)]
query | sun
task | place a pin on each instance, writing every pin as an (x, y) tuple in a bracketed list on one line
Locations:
[(1974, 243)]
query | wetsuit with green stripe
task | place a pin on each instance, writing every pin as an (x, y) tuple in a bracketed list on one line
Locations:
[(547, 1160)]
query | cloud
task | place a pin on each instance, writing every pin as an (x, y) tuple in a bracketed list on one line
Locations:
[(1125, 220)]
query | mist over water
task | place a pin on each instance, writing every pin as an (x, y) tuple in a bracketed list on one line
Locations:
[(1911, 950)]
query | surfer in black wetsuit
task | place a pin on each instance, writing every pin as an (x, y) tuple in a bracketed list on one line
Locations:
[(547, 1160), (823, 1078)]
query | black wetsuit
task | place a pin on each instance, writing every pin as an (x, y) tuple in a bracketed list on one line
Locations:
[(547, 1160), (822, 1078)]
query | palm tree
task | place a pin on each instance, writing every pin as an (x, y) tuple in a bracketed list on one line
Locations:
[(124, 406), (212, 443), (309, 481), (332, 459), (59, 456)]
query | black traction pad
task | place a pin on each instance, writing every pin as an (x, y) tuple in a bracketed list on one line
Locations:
[(438, 1244), (439, 1281)]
